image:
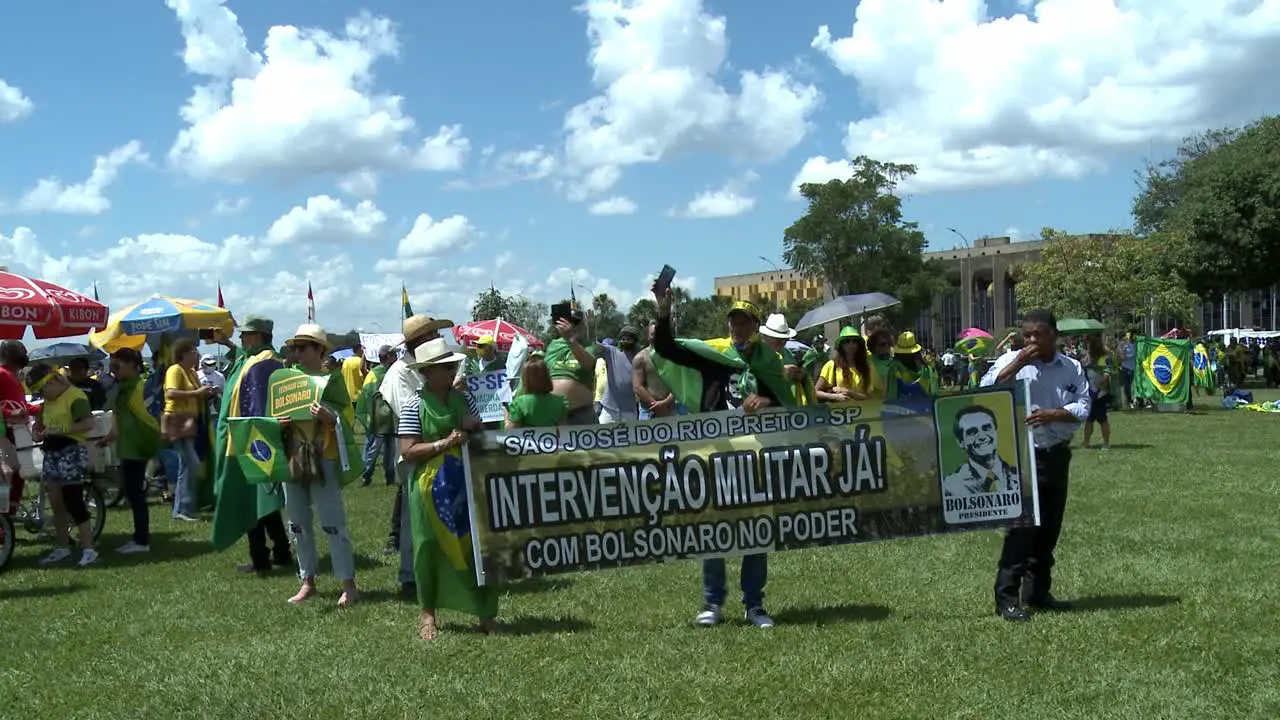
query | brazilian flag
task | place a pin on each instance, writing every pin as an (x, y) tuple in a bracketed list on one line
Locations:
[(1202, 375), (1164, 371), (257, 445), (443, 554)]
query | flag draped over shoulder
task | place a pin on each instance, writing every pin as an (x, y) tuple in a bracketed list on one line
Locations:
[(765, 367), (443, 559), (1164, 370), (686, 383), (1202, 375), (241, 504)]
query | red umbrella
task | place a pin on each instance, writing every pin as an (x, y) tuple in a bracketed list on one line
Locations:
[(503, 333), (51, 311)]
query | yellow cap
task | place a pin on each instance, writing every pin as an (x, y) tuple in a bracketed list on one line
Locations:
[(484, 340), (744, 307)]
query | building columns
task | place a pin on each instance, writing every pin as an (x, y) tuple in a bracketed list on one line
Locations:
[(998, 292)]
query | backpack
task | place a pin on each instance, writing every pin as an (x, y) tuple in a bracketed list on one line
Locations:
[(382, 418)]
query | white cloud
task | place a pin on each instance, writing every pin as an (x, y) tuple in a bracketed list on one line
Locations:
[(13, 104), (820, 170), (727, 201), (86, 198), (231, 207), (87, 232), (613, 206), (446, 150), (326, 220), (974, 100), (361, 184), (656, 63), (586, 285), (428, 241), (305, 105)]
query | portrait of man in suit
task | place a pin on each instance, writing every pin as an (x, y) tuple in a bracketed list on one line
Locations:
[(984, 471)]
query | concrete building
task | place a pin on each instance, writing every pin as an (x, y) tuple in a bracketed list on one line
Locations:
[(981, 295)]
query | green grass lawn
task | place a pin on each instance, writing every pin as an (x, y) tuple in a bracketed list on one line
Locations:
[(1171, 549)]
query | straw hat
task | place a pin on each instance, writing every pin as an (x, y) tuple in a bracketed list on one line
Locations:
[(312, 333), (776, 327), (417, 326), (435, 352)]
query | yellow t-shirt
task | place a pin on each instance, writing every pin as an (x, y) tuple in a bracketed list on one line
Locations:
[(838, 377), (602, 379), (180, 378), (353, 375)]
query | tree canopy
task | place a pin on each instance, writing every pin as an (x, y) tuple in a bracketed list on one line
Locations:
[(1216, 205), (855, 239), (1113, 278), (515, 309)]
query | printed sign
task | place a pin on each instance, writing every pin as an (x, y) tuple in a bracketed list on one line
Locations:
[(574, 498), (293, 392), (490, 394)]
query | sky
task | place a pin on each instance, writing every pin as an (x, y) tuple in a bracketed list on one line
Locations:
[(168, 146)]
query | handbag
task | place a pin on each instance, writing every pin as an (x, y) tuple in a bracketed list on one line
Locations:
[(304, 448), (178, 426)]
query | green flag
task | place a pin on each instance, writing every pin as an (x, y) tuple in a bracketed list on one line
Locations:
[(258, 448), (1164, 371)]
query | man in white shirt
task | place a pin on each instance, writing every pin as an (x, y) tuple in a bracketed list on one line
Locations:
[(1059, 404), (949, 359), (399, 386)]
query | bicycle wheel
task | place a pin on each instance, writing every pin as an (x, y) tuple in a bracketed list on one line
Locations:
[(6, 540), (97, 508), (113, 480)]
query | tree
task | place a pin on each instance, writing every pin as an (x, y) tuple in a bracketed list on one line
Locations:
[(1216, 205), (526, 313), (1114, 278), (608, 320), (854, 238), (643, 312), (515, 309), (490, 305)]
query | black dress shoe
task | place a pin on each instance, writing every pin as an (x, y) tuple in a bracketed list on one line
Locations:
[(1013, 613), (1048, 603)]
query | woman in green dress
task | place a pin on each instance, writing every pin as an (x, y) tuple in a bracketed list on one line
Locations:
[(536, 405), (433, 428)]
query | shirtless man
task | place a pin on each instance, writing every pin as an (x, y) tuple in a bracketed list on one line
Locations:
[(655, 397), (572, 369)]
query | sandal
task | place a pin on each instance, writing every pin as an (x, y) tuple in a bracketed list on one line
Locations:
[(304, 594), (349, 598)]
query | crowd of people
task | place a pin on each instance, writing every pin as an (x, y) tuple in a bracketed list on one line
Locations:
[(413, 408)]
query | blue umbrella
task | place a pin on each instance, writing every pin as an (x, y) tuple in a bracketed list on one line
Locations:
[(846, 306), (170, 315)]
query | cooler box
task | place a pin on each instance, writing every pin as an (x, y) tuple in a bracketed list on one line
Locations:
[(29, 456)]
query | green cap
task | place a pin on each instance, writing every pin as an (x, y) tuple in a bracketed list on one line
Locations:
[(257, 324), (848, 332)]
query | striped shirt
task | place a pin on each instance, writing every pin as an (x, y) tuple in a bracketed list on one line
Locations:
[(410, 418)]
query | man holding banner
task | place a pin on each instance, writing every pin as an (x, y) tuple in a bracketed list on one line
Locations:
[(745, 375), (1059, 402)]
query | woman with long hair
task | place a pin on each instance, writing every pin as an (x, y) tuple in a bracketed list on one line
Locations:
[(847, 376), (536, 405), (1097, 367)]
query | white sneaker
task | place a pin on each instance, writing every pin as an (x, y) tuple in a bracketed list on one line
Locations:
[(709, 616), (758, 617), (56, 555), (185, 517), (88, 557), (133, 548)]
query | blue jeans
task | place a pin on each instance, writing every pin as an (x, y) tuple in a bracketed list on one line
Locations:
[(755, 572), (384, 445), (303, 505), (184, 490)]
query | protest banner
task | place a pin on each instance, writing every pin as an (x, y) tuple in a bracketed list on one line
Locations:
[(569, 499), (490, 394), (292, 393)]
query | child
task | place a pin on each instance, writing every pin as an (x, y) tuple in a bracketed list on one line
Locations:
[(64, 426)]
